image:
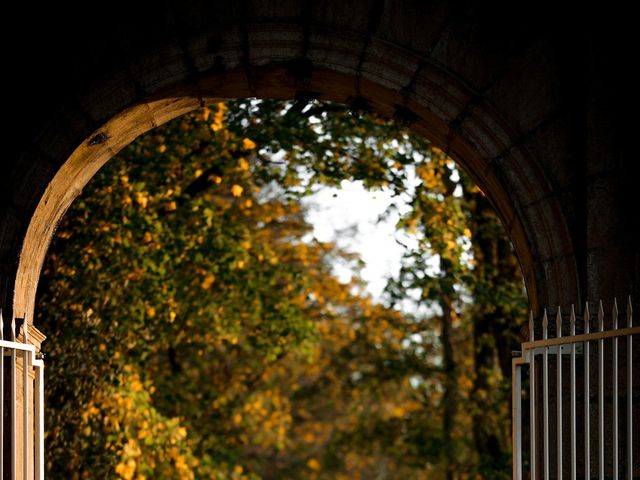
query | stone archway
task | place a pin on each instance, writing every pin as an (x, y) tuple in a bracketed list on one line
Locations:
[(507, 99), (276, 82)]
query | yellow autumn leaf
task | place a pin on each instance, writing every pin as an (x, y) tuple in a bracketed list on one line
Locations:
[(132, 449), (466, 383), (142, 199), (181, 464), (162, 148), (248, 144), (208, 281), (236, 190), (136, 385), (243, 164), (151, 312), (313, 464), (467, 233), (205, 113), (126, 470), (397, 411)]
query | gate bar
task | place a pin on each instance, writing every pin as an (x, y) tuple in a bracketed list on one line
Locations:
[(629, 392), (545, 387), (559, 394), (601, 394), (572, 332)]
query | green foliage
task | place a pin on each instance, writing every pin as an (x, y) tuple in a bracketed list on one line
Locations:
[(196, 329)]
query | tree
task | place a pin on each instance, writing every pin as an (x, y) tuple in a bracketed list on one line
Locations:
[(220, 345)]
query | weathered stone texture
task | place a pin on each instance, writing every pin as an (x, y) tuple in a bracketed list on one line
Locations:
[(530, 105)]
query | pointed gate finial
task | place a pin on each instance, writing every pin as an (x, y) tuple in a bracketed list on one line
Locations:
[(600, 317), (13, 328), (587, 318), (531, 330), (572, 321)]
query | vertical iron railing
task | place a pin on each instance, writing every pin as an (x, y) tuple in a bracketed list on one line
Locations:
[(21, 442), (565, 346)]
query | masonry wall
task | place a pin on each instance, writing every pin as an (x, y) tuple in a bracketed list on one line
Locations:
[(537, 95)]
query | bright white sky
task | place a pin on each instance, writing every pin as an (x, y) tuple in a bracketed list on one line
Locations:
[(331, 211)]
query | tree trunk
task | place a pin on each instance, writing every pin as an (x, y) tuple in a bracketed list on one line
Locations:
[(494, 332), (450, 397)]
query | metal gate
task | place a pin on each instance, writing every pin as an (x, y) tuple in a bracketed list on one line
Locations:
[(572, 399), (22, 405)]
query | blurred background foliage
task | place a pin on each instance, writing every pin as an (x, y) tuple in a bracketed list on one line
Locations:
[(197, 330)]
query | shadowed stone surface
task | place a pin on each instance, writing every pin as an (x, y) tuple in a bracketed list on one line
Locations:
[(533, 102)]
